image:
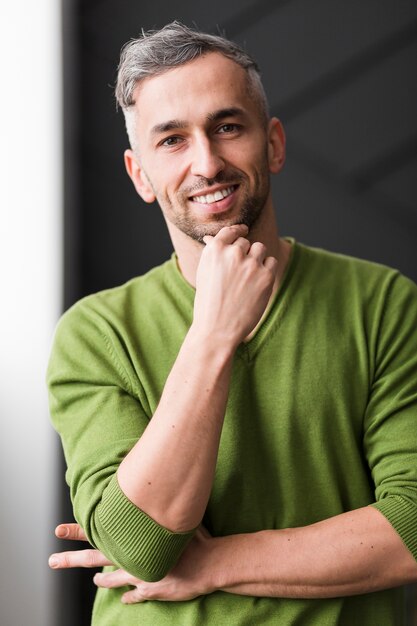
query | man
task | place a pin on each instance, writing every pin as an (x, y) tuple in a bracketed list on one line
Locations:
[(239, 423)]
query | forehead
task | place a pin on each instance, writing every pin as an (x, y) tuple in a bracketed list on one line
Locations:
[(192, 92)]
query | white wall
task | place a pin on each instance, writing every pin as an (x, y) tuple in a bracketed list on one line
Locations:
[(30, 275)]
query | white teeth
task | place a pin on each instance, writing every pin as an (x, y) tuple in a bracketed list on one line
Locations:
[(214, 197)]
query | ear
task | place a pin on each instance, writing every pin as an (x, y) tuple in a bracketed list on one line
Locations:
[(138, 177), (276, 145)]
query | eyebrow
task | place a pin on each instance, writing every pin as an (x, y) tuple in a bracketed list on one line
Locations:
[(175, 124), (164, 127), (222, 113)]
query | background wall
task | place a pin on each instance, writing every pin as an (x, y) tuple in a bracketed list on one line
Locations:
[(340, 75), (30, 279)]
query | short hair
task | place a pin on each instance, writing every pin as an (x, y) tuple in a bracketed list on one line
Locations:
[(157, 51)]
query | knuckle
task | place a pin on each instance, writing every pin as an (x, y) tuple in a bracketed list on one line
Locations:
[(90, 558), (260, 247), (216, 245), (65, 560), (235, 251), (79, 533), (146, 592)]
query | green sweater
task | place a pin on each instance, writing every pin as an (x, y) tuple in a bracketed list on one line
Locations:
[(321, 419)]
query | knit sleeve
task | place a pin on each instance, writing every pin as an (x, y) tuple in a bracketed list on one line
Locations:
[(390, 438), (97, 412)]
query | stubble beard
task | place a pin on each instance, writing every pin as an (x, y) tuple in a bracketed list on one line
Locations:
[(250, 211)]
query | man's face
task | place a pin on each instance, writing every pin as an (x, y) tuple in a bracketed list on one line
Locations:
[(204, 152)]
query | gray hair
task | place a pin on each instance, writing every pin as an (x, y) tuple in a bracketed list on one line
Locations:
[(158, 51)]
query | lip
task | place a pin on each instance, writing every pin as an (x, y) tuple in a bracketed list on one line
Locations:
[(215, 207)]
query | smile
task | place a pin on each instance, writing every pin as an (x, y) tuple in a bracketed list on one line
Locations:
[(210, 198)]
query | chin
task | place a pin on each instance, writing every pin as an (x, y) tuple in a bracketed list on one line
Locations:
[(197, 230)]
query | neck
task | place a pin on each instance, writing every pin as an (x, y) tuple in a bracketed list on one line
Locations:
[(265, 230)]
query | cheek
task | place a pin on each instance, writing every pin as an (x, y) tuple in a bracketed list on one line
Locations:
[(250, 155), (169, 175)]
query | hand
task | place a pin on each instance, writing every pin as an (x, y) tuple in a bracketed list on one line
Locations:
[(186, 580), (233, 285)]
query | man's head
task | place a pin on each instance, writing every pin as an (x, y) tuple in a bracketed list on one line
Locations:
[(202, 144)]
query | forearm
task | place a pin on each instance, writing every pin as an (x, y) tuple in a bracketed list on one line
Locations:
[(353, 553), (169, 472)]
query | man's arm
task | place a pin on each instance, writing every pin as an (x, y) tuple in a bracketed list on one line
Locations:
[(169, 472), (352, 553)]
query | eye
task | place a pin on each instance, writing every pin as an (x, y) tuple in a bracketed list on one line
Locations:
[(228, 128), (171, 141)]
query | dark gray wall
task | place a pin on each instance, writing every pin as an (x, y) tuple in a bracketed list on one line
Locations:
[(340, 75)]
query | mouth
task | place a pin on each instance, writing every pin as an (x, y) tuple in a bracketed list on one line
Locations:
[(215, 196)]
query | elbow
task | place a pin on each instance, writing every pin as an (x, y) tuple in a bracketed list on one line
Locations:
[(131, 539)]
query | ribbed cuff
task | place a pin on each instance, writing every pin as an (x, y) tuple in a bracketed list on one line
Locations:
[(402, 515), (133, 539)]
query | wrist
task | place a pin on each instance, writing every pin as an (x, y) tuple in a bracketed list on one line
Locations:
[(214, 575), (233, 561), (212, 341), (220, 564)]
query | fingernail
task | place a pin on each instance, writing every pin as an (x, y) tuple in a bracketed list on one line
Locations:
[(53, 561), (62, 531)]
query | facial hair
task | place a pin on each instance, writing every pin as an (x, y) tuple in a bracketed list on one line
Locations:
[(253, 202)]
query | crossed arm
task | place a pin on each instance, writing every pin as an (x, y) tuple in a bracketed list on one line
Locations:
[(353, 553), (343, 555)]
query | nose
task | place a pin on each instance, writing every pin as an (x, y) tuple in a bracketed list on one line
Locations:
[(206, 161)]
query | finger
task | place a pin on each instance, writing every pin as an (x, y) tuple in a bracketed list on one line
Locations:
[(242, 243), (78, 558), (70, 531), (258, 251), (118, 578), (207, 238), (229, 234), (271, 263), (132, 597)]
